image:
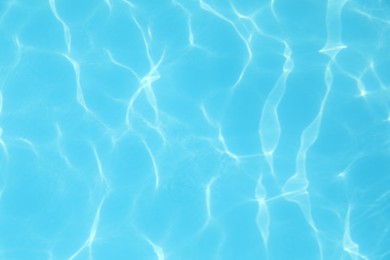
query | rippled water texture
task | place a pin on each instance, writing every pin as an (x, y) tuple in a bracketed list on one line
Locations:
[(206, 129)]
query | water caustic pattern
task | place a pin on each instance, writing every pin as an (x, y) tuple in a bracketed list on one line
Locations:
[(194, 129)]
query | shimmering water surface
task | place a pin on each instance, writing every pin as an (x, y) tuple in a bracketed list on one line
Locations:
[(183, 129)]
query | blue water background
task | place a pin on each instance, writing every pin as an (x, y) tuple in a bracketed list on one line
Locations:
[(194, 129)]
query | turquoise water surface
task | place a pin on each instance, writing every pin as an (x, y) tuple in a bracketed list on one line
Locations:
[(195, 129)]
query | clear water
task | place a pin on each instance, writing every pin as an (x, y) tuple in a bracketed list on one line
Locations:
[(194, 129)]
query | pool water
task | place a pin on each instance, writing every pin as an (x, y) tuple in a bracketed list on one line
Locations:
[(195, 129)]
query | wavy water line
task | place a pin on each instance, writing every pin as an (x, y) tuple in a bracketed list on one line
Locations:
[(129, 4), (349, 246), (297, 185), (207, 193), (65, 27), (59, 147), (102, 176), (29, 144), (221, 139), (191, 37), (333, 44), (269, 128), (79, 91), (3, 145), (146, 84), (246, 40), (109, 5), (88, 244), (358, 79), (158, 250), (154, 164), (121, 65), (263, 216)]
